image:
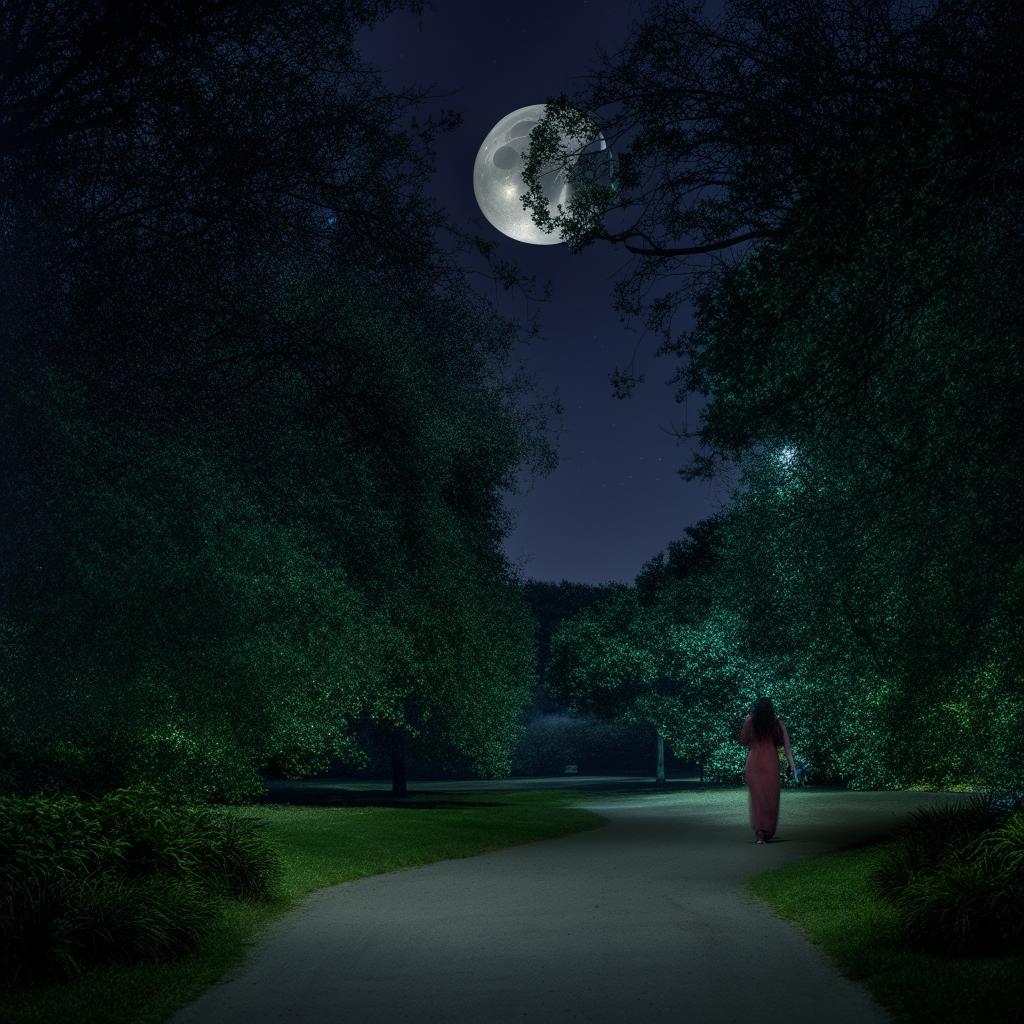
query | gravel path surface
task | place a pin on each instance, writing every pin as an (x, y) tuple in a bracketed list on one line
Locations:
[(644, 918)]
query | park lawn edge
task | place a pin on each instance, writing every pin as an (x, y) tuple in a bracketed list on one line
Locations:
[(319, 846), (832, 899)]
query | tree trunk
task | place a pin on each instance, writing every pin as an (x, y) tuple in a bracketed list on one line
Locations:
[(660, 777), (398, 786)]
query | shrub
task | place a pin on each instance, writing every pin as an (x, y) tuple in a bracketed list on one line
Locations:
[(1006, 845), (726, 763), (954, 874), (202, 766), (231, 852), (54, 924), (155, 832), (930, 836), (35, 765), (224, 851), (132, 876), (154, 918), (966, 905)]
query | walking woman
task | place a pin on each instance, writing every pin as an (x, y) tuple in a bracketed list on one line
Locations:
[(764, 734)]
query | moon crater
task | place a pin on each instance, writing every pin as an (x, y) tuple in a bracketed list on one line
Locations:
[(505, 157)]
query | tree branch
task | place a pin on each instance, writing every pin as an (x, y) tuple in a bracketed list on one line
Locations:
[(690, 250)]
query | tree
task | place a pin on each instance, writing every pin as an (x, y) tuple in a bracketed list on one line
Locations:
[(722, 124), (258, 589), (261, 421), (550, 604), (858, 340), (664, 652), (168, 629)]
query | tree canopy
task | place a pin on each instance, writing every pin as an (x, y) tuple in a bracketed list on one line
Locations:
[(858, 337), (260, 423)]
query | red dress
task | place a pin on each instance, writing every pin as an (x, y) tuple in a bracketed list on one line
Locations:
[(763, 776)]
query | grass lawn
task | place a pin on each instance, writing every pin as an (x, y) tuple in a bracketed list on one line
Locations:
[(831, 898), (319, 846)]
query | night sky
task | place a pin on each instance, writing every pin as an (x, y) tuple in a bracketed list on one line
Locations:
[(616, 498)]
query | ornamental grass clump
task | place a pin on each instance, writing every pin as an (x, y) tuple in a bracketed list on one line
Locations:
[(227, 853), (231, 853), (931, 835), (129, 877), (54, 924), (955, 874)]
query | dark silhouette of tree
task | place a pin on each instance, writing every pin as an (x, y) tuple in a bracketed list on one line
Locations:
[(694, 554), (259, 422), (857, 166), (721, 125), (551, 603)]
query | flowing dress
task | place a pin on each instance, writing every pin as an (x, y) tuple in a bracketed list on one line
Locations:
[(763, 784)]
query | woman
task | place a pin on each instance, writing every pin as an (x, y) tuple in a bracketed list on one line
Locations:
[(763, 733)]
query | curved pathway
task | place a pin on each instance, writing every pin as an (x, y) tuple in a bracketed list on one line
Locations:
[(644, 918)]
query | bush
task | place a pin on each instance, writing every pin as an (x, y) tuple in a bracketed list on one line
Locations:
[(186, 841), (231, 852), (1006, 845), (202, 766), (966, 905), (955, 874), (55, 924), (931, 835), (34, 765), (128, 877)]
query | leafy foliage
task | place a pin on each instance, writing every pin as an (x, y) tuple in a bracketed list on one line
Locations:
[(953, 873), (550, 603), (129, 877), (260, 422), (859, 342), (656, 653), (930, 834)]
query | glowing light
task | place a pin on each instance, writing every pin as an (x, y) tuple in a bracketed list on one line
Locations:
[(498, 175)]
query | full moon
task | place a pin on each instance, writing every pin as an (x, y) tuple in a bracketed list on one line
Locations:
[(498, 176)]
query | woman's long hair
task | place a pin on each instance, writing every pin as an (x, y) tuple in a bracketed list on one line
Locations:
[(763, 720)]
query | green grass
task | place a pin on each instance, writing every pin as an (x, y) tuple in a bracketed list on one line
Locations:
[(832, 899), (319, 846)]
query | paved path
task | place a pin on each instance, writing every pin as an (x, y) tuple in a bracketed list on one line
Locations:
[(645, 918)]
